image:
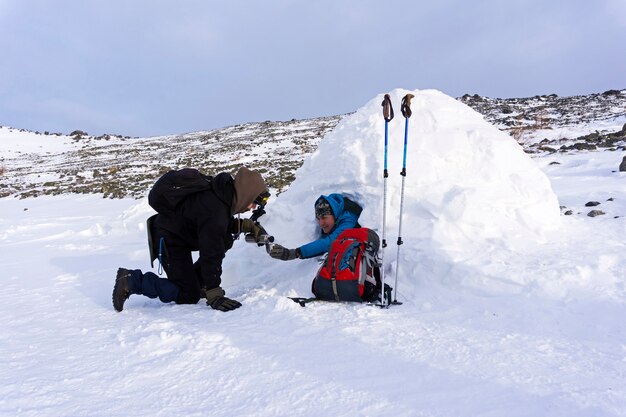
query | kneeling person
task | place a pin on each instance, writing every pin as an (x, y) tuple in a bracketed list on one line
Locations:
[(202, 221)]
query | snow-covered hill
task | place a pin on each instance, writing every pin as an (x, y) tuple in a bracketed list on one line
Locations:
[(550, 123), (118, 166), (510, 306)]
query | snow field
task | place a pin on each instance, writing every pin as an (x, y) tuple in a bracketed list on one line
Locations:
[(509, 308)]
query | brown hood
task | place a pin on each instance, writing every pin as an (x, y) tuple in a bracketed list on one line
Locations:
[(248, 185)]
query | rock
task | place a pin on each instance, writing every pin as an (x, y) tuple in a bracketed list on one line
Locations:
[(581, 146), (78, 134), (592, 204), (594, 213), (568, 213), (548, 149), (622, 166)]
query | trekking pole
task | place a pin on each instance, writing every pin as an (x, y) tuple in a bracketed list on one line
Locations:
[(406, 112), (388, 115)]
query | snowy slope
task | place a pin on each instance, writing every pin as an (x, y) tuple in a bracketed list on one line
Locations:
[(117, 166), (510, 309)]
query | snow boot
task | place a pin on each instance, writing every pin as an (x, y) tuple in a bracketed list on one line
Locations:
[(121, 290)]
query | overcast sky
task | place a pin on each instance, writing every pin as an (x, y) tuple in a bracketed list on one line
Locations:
[(150, 67)]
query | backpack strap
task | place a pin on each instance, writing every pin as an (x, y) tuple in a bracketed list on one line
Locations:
[(163, 250), (333, 275)]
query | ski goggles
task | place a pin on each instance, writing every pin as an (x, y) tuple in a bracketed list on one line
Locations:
[(262, 198)]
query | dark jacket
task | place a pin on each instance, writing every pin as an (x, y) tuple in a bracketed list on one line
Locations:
[(345, 218), (203, 222)]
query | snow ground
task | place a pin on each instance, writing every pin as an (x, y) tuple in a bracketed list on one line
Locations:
[(526, 321)]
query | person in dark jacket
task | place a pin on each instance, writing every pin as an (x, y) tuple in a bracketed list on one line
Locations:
[(204, 222), (334, 214)]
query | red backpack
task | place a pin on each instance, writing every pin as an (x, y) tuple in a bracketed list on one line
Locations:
[(351, 270)]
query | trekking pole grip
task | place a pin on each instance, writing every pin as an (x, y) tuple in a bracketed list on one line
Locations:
[(406, 105), (387, 108)]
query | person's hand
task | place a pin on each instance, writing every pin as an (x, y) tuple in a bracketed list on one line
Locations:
[(246, 226), (216, 300), (279, 252), (252, 228)]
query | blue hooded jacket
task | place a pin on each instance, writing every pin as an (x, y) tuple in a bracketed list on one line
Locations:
[(344, 219)]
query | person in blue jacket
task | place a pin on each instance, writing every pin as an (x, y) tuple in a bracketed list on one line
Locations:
[(334, 214)]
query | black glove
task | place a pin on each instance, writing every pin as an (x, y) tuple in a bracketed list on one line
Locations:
[(216, 300), (277, 251)]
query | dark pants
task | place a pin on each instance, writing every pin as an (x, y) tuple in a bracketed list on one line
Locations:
[(183, 283)]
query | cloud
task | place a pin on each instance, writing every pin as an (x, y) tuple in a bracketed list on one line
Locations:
[(187, 64), (5, 8), (616, 10)]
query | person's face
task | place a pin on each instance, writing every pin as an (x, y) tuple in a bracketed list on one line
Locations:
[(326, 222)]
